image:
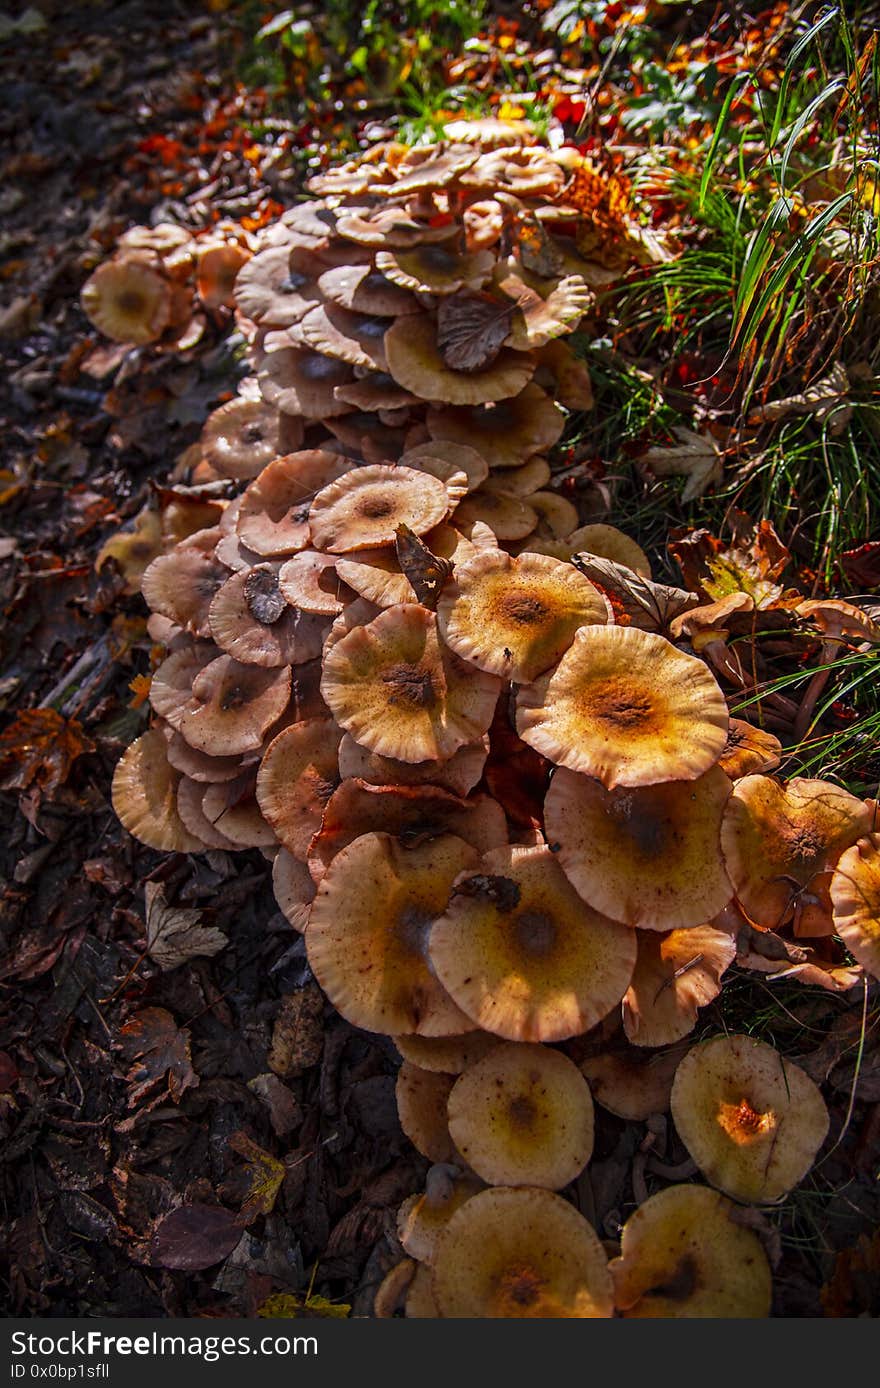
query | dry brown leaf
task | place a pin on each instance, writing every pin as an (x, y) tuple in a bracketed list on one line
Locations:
[(39, 748), (298, 1036), (153, 1040), (643, 603), (425, 571), (471, 330), (695, 456), (174, 935), (265, 1175)]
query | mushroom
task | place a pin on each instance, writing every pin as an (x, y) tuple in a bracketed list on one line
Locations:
[(242, 436), (368, 933), (855, 895), (632, 1082), (294, 889), (364, 507), (449, 1054), (273, 517), (144, 795), (649, 856), (516, 617), (522, 956), (400, 692), (520, 1253), (523, 1115), (128, 300), (310, 582), (290, 638), (422, 1218), (505, 433), (781, 841), (268, 291), (686, 1253), (625, 706), (415, 362), (298, 774), (752, 1120), (460, 773), (748, 750), (364, 289), (301, 382), (676, 974), (422, 1096), (181, 586), (435, 269), (232, 705)]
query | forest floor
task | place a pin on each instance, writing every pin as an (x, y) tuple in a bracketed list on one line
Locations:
[(227, 1088)]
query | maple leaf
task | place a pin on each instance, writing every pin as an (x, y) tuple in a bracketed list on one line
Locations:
[(265, 1175), (174, 935), (471, 330), (153, 1040), (39, 748)]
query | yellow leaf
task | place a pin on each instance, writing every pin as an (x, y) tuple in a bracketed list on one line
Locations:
[(289, 1306), (265, 1175)]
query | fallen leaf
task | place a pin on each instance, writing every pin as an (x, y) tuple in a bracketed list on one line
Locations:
[(285, 1112), (39, 748), (193, 1237), (290, 1306), (645, 604), (298, 1036), (159, 1047), (174, 935), (696, 457), (819, 400), (426, 572), (538, 253), (471, 329), (265, 1175)]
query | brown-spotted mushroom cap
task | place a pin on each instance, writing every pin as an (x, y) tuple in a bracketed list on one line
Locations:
[(507, 433), (232, 808), (684, 1253), (181, 586), (375, 390), (748, 750), (241, 437), (650, 856), (270, 293), (778, 839), (144, 797), (171, 685), (301, 382), (399, 691), (414, 361), (523, 1115), (310, 582), (627, 707), (367, 934), (233, 705), (522, 955), (273, 517), (538, 319), (377, 574), (363, 508), (422, 1096), (289, 638), (855, 894), (356, 338), (435, 269), (516, 617), (422, 1218), (676, 973), (460, 773), (520, 1253), (448, 1054), (751, 1119), (128, 300), (297, 776)]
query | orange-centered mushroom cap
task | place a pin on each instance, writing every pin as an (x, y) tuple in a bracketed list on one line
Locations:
[(855, 892)]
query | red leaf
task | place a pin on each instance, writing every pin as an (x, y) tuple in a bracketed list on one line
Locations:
[(193, 1237)]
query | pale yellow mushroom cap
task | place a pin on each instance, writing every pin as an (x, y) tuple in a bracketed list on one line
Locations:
[(855, 892), (506, 432), (145, 797), (779, 839), (650, 856), (523, 1115), (368, 933), (363, 509), (516, 617), (520, 1253), (676, 973), (683, 1254), (422, 1218), (128, 300), (523, 955), (451, 1055), (752, 1120), (414, 360), (422, 1096), (627, 707), (399, 691)]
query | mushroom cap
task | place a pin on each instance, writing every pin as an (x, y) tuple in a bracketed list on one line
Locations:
[(302, 382), (241, 437), (233, 705), (751, 1119), (631, 1082), (273, 517), (855, 893), (128, 300), (393, 1289), (522, 481), (650, 856), (523, 172), (364, 289), (779, 839), (197, 766), (181, 586), (217, 265), (748, 750), (459, 774), (556, 516), (232, 808), (367, 934), (171, 685), (507, 516), (523, 1115), (627, 707), (310, 582), (420, 1303), (356, 338), (490, 132), (290, 639), (606, 541), (539, 318), (425, 169), (294, 889), (435, 269), (374, 391), (144, 795), (298, 774), (389, 226), (422, 1096), (448, 1054), (516, 617), (270, 293), (676, 973), (422, 1218), (415, 362), (520, 1253), (505, 433), (363, 508), (459, 456), (190, 795), (522, 955), (683, 1253), (398, 691)]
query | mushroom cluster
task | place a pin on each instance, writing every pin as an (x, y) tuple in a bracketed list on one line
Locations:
[(360, 645), (161, 281)]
